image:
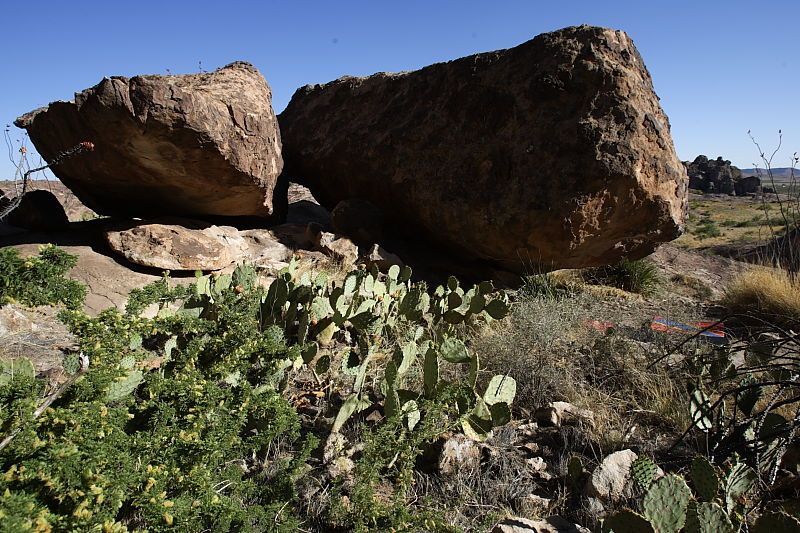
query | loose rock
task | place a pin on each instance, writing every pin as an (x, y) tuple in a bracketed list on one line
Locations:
[(611, 480), (553, 524)]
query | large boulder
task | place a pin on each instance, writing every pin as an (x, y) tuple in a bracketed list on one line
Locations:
[(36, 210), (196, 144), (552, 154)]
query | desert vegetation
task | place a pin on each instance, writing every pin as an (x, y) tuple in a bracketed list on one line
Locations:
[(333, 400)]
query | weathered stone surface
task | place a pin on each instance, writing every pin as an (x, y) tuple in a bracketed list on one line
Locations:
[(558, 413), (719, 176), (37, 210), (555, 153), (196, 144), (459, 454), (177, 246), (553, 524), (611, 480), (181, 244)]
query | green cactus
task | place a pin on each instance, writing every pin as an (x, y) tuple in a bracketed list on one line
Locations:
[(705, 479), (497, 309), (72, 363), (574, 470), (665, 504), (643, 471), (430, 372), (501, 414), (477, 425), (454, 350), (741, 480), (124, 386), (627, 522), (501, 389), (700, 410), (127, 362), (707, 517), (244, 276)]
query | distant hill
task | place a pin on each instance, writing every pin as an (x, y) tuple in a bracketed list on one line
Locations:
[(779, 173)]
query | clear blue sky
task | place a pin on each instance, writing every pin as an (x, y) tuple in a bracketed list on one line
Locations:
[(720, 67)]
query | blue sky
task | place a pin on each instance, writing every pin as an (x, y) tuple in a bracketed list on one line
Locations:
[(721, 68)]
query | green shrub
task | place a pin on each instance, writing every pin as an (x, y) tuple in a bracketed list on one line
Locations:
[(39, 280), (169, 429), (707, 229), (639, 276)]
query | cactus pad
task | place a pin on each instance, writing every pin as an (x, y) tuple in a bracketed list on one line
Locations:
[(666, 502), (704, 476)]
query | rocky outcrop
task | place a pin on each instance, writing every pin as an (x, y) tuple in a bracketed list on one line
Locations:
[(554, 154), (37, 210), (719, 176), (747, 185), (196, 144)]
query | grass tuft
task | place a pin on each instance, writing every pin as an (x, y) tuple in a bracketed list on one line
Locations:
[(639, 276), (768, 294)]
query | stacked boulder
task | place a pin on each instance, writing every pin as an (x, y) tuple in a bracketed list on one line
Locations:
[(552, 154)]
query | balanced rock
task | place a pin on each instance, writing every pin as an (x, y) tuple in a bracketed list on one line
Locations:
[(555, 153), (196, 144)]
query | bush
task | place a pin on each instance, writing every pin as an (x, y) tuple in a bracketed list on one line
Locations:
[(39, 280), (172, 428), (639, 276)]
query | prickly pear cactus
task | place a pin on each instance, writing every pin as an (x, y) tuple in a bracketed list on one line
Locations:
[(741, 480), (665, 504), (643, 471), (705, 479), (627, 522), (124, 386), (707, 517), (501, 389), (72, 363)]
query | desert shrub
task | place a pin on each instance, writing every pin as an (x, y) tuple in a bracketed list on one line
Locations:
[(707, 229), (168, 429), (39, 280), (767, 294), (182, 423), (639, 276)]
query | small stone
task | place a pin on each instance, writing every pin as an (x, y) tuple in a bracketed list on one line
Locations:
[(553, 524), (381, 258), (339, 248), (458, 454), (611, 480)]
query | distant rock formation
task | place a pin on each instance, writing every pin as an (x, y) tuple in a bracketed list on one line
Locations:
[(195, 144), (720, 177), (552, 154)]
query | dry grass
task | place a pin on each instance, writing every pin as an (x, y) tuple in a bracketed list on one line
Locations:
[(765, 293)]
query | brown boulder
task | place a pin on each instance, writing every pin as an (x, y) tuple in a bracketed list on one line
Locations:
[(195, 144), (552, 154), (37, 210)]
